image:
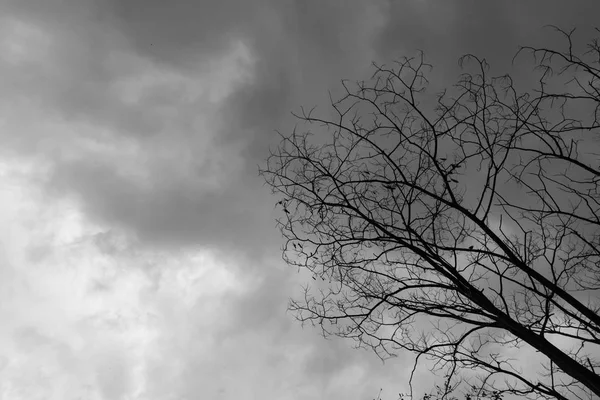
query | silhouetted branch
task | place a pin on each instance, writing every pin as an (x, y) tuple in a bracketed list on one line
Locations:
[(459, 232)]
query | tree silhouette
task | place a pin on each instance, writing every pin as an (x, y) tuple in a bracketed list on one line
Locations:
[(467, 232)]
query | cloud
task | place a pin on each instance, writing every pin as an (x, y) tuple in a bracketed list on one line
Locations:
[(188, 107), (88, 311), (144, 134), (138, 259), (198, 90), (154, 144)]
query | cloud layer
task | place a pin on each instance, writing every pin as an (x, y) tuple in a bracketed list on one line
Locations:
[(140, 258)]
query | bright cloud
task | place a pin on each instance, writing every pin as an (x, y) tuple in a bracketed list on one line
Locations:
[(82, 309)]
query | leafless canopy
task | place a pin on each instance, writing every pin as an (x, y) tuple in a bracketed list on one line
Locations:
[(463, 227)]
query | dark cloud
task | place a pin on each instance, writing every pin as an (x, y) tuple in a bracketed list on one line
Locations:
[(183, 33), (299, 50), (446, 31), (299, 59), (170, 213)]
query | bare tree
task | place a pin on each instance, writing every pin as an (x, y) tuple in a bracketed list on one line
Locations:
[(467, 232)]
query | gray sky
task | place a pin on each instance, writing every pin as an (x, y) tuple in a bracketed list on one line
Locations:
[(139, 258)]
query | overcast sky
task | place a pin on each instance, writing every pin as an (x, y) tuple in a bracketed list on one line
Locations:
[(138, 252)]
